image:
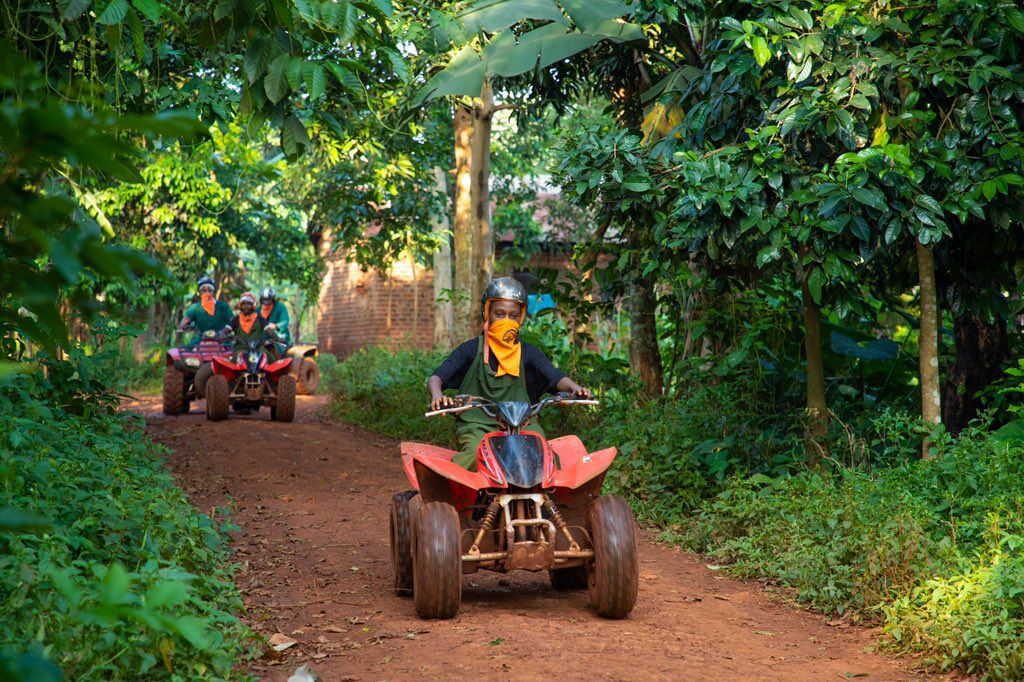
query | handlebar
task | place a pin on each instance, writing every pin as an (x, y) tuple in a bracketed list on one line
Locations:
[(470, 402)]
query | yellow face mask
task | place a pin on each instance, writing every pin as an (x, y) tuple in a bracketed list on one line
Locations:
[(503, 341)]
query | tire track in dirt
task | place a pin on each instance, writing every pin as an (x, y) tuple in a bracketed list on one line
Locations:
[(311, 499)]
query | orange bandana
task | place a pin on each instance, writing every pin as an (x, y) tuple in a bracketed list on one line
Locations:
[(209, 303), (503, 341), (246, 321), (265, 310)]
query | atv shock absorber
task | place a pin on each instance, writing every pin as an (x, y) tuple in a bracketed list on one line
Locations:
[(486, 524), (559, 520)]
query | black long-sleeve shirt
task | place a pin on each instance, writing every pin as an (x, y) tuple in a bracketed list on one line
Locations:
[(540, 375)]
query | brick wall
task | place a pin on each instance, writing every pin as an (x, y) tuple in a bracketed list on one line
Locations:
[(362, 308)]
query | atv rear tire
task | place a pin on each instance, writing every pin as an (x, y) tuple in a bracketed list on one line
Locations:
[(308, 377), (174, 391), (404, 508), (284, 409), (203, 375), (217, 402), (613, 575), (574, 578), (437, 561)]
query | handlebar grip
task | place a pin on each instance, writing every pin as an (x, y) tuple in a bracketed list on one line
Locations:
[(449, 410)]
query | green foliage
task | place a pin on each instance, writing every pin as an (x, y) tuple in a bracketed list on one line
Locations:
[(125, 580), (929, 546), (385, 390)]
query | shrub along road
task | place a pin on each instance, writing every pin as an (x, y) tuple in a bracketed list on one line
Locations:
[(311, 499)]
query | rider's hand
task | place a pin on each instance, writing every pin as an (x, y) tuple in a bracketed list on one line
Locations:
[(443, 401), (583, 393), (272, 326)]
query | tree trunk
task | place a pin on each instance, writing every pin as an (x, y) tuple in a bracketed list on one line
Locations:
[(443, 316), (466, 323), (928, 343), (817, 408), (483, 242), (981, 350), (644, 354), (415, 289)]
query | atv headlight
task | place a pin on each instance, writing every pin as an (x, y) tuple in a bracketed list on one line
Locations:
[(192, 362), (253, 358)]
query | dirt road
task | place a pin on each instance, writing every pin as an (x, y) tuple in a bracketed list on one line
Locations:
[(311, 499)]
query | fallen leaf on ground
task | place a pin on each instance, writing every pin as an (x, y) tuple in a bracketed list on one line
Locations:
[(280, 641), (766, 633)]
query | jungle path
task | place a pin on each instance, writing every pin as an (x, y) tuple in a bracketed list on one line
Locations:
[(311, 499)]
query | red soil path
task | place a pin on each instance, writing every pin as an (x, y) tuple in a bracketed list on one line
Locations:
[(311, 499)]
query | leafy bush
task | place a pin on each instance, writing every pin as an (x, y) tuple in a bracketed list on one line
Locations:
[(932, 547), (105, 567), (386, 390)]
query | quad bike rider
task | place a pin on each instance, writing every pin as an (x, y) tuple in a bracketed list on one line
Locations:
[(522, 502), (188, 367), (253, 376), (274, 316)]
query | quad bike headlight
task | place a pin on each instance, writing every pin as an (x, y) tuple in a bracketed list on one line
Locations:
[(253, 358), (192, 362)]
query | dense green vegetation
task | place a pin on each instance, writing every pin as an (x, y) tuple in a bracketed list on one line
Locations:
[(107, 570)]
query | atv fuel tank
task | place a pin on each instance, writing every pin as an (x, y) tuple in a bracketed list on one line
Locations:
[(521, 457)]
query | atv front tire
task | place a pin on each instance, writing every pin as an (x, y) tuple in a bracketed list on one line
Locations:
[(613, 575), (284, 409), (174, 391), (574, 578), (309, 376), (217, 402), (404, 508), (437, 561)]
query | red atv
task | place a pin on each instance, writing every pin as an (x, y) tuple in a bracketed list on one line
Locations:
[(531, 505), (187, 369), (249, 381)]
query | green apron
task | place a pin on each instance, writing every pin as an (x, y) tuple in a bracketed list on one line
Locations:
[(471, 426)]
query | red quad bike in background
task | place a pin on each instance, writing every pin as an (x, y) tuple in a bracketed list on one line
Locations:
[(531, 505), (251, 382), (187, 369)]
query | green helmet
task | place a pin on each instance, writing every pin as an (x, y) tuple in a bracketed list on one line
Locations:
[(505, 289)]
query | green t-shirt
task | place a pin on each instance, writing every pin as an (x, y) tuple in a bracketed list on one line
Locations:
[(204, 321), (279, 316)]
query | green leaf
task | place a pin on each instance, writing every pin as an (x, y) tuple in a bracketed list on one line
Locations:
[(293, 72), (587, 13), (151, 9), (876, 350), (761, 52), (1016, 19), (113, 13), (815, 282), (18, 521), (316, 81), (275, 83), (195, 630), (464, 75), (256, 58), (294, 138), (398, 64), (74, 9), (167, 593), (491, 16), (870, 197), (346, 78)]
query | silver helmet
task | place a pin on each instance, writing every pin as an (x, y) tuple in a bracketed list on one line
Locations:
[(266, 293), (505, 289)]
